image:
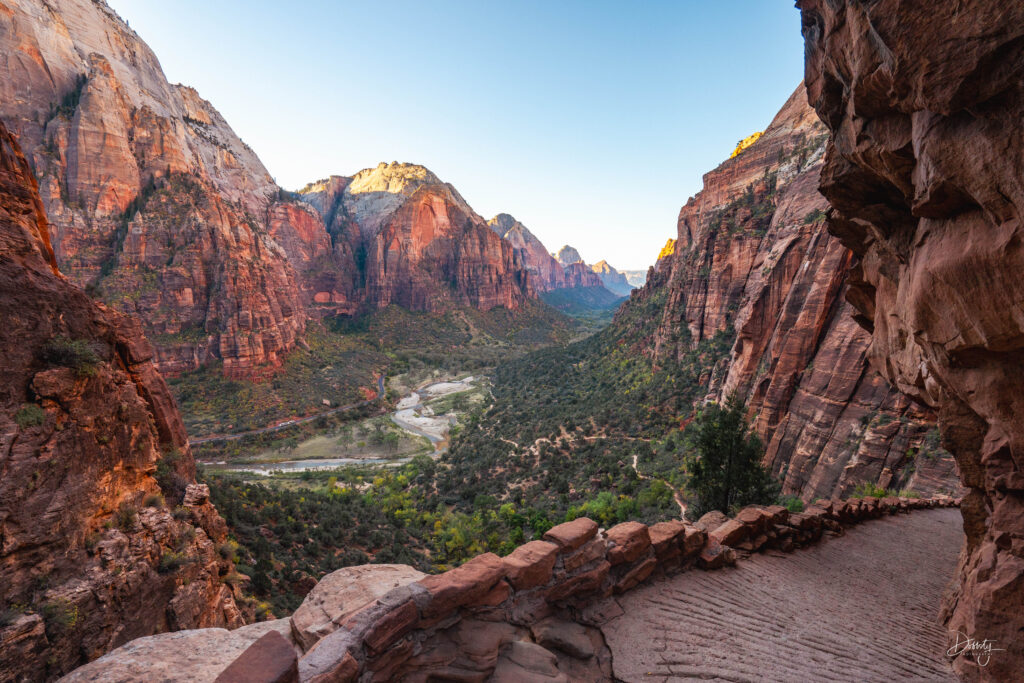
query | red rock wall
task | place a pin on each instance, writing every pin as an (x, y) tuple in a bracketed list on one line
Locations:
[(434, 252), (91, 107), (752, 255), (82, 532), (924, 101)]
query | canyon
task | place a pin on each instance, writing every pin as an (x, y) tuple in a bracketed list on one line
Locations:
[(849, 273), (753, 260), (162, 212), (923, 173)]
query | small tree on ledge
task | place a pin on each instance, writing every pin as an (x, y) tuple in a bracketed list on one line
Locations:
[(725, 469)]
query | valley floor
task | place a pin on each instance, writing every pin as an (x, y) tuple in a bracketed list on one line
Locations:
[(862, 607)]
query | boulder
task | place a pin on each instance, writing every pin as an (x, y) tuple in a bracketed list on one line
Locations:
[(715, 555), (586, 582), (572, 535), (463, 585), (629, 541), (666, 536), (531, 564), (732, 533), (180, 657), (635, 575), (711, 521), (341, 594)]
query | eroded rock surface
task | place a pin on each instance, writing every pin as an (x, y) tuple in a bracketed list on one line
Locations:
[(94, 458), (924, 171), (753, 266), (155, 203)]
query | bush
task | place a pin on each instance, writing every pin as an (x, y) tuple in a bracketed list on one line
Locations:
[(78, 354), (60, 615), (153, 500), (126, 517), (792, 503), (30, 415), (172, 562)]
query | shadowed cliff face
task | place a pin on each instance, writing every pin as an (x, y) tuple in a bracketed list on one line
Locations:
[(752, 258), (924, 170), (155, 203), (90, 438)]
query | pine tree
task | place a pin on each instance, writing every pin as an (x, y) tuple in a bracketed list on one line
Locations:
[(725, 469)]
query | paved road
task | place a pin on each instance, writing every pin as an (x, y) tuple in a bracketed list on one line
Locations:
[(861, 607), (291, 423)]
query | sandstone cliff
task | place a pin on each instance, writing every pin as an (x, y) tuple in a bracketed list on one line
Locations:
[(568, 255), (94, 459), (402, 236), (924, 101), (613, 280), (156, 204), (753, 259)]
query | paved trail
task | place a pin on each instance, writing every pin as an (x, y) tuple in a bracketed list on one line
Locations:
[(861, 607)]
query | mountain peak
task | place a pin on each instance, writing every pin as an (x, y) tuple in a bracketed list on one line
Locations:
[(568, 255), (394, 178)]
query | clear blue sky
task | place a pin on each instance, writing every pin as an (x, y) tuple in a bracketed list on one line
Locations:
[(591, 122)]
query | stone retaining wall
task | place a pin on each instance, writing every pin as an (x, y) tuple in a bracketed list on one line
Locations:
[(452, 625)]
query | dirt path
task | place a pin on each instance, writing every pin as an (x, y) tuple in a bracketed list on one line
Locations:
[(861, 607), (676, 496)]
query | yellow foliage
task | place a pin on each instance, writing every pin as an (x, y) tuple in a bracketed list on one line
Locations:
[(744, 143), (668, 249)]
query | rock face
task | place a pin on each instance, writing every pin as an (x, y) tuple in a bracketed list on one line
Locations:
[(754, 266), (568, 255), (401, 236), (613, 280), (94, 457), (924, 173), (546, 273), (156, 204)]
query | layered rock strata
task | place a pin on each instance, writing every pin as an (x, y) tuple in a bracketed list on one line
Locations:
[(155, 203), (104, 536), (534, 614), (753, 262), (923, 172)]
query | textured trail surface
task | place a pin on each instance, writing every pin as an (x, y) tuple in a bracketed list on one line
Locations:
[(860, 607)]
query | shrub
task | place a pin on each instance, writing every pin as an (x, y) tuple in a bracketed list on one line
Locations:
[(170, 482), (792, 503), (172, 562), (30, 415), (60, 615), (71, 353), (181, 513), (228, 550), (126, 517), (153, 500)]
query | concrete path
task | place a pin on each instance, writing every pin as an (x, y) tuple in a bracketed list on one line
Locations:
[(860, 607)]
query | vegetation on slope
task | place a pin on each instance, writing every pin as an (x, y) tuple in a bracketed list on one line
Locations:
[(342, 357)]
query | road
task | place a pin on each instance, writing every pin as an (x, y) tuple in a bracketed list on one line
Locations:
[(291, 423)]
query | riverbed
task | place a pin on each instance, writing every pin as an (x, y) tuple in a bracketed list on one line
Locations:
[(412, 414)]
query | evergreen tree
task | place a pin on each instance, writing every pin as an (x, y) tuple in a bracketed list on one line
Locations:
[(725, 469)]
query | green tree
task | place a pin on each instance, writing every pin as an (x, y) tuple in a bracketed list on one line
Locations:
[(725, 469)]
